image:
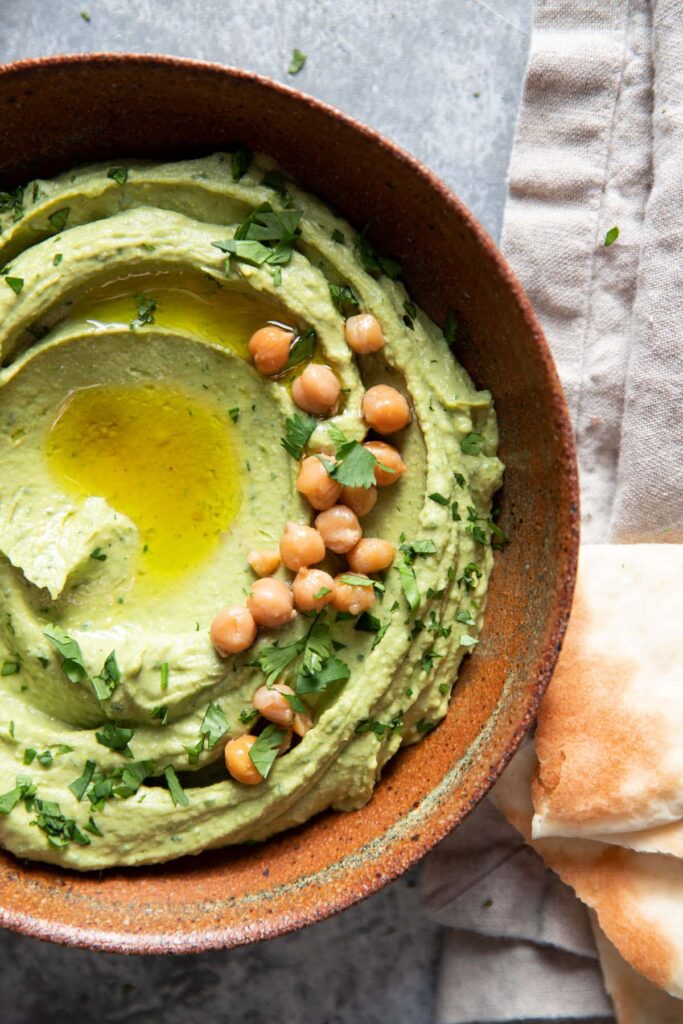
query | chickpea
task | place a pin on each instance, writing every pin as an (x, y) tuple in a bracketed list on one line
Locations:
[(317, 390), (385, 409), (271, 602), (301, 723), (360, 500), (364, 333), (308, 583), (238, 762), (389, 457), (371, 554), (301, 546), (273, 705), (315, 483), (339, 528), (232, 630), (269, 347), (352, 598), (264, 563)]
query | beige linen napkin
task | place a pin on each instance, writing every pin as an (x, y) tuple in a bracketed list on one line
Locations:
[(599, 145)]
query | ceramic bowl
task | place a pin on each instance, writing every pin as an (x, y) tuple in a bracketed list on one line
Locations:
[(58, 112)]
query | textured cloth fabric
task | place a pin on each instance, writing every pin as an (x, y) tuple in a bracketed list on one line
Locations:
[(599, 145)]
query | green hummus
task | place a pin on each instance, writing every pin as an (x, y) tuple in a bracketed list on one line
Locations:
[(141, 459)]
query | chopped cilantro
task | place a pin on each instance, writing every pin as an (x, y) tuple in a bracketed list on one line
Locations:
[(160, 712), (379, 728), (425, 726), (427, 660), (298, 429), (455, 514), (115, 737), (266, 236), (459, 479), (109, 678), (146, 308), (15, 283), (418, 547), (177, 792), (234, 414), (59, 829), (163, 668), (214, 724), (321, 593), (356, 580), (72, 659), (9, 668), (344, 299), (59, 218), (471, 574), (93, 827), (24, 790), (467, 641), (80, 785), (440, 499), (611, 236), (371, 259), (264, 752), (368, 623), (450, 330), (302, 349), (118, 174), (465, 617), (247, 715), (337, 236), (296, 63), (240, 162), (409, 583), (98, 554), (472, 444)]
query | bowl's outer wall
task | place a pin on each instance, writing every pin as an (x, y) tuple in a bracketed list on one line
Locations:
[(60, 112)]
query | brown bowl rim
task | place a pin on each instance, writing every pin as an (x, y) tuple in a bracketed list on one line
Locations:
[(400, 856)]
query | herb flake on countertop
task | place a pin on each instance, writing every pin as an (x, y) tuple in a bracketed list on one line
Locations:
[(297, 62), (611, 236)]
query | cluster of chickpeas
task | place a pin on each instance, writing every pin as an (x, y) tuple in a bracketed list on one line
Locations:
[(271, 601)]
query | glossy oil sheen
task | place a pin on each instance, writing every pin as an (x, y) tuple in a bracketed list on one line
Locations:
[(159, 455)]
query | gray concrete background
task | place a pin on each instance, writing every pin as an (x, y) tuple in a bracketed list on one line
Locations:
[(443, 79)]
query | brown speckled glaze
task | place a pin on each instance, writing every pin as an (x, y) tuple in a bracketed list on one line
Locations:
[(62, 111)]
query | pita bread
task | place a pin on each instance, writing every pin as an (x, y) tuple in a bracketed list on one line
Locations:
[(637, 897), (610, 727), (662, 839), (636, 1000)]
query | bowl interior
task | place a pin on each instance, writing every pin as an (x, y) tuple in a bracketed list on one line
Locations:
[(64, 111)]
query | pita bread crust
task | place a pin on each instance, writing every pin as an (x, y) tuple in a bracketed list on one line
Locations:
[(638, 897), (610, 754), (662, 839), (635, 999)]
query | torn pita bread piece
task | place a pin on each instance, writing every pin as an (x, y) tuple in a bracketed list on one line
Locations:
[(637, 897), (610, 729), (661, 839), (635, 999)]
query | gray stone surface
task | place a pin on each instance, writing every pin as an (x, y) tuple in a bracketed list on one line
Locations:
[(442, 78)]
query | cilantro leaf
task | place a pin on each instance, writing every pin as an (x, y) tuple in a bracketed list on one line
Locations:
[(15, 283), (98, 555), (302, 349), (118, 174), (344, 299), (368, 623), (24, 790), (79, 785), (332, 670), (379, 728), (9, 668), (240, 162), (273, 660), (115, 737), (296, 63), (264, 752), (298, 429), (356, 580), (467, 641), (59, 218), (59, 829), (177, 792), (160, 712), (72, 659), (356, 468), (146, 308), (611, 236), (472, 444), (214, 724), (459, 479), (266, 236), (450, 330), (109, 678), (440, 499), (409, 583), (418, 547)]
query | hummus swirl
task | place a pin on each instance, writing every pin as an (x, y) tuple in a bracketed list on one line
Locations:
[(82, 254)]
